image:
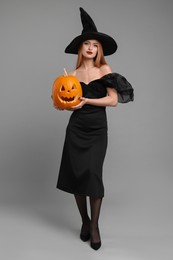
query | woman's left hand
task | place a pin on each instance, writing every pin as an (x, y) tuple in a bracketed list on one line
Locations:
[(80, 105)]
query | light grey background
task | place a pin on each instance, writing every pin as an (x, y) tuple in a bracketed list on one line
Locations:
[(39, 222)]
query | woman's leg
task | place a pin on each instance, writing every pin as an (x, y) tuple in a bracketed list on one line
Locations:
[(95, 204), (82, 206)]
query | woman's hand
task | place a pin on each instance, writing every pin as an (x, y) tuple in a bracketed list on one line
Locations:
[(80, 105)]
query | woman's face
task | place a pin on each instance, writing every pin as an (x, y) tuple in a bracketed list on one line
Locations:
[(90, 48)]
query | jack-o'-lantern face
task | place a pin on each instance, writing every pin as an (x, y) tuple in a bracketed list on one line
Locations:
[(66, 91)]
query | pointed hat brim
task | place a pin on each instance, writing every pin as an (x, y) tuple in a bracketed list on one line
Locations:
[(90, 32)]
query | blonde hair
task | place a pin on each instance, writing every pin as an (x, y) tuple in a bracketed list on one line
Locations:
[(99, 60)]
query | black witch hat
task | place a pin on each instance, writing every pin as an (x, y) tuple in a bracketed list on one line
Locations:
[(90, 32)]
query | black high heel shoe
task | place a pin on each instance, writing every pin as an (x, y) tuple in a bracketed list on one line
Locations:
[(84, 237), (95, 246)]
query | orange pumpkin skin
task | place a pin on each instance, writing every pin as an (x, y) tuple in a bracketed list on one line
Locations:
[(66, 92)]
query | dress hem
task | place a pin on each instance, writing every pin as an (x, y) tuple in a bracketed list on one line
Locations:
[(78, 193)]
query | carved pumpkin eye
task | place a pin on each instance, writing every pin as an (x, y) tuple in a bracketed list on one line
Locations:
[(74, 87), (62, 88)]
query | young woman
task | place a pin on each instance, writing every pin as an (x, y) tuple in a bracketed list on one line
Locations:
[(86, 135)]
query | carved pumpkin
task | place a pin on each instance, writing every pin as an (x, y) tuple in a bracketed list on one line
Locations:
[(66, 91)]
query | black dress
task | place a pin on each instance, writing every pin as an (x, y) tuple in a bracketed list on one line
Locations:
[(86, 139)]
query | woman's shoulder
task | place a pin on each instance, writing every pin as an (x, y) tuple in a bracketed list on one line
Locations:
[(105, 69)]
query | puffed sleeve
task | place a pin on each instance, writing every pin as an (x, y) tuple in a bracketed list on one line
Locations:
[(123, 87)]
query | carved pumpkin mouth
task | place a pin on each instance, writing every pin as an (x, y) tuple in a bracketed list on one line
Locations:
[(69, 99)]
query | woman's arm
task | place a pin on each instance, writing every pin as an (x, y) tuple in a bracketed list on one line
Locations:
[(110, 100)]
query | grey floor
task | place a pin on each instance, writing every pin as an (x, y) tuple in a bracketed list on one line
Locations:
[(43, 229)]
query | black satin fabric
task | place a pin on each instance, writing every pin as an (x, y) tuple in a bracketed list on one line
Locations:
[(86, 139)]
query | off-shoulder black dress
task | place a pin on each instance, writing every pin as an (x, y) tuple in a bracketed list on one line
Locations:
[(86, 139)]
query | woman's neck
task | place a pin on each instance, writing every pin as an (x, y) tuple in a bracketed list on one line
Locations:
[(87, 64)]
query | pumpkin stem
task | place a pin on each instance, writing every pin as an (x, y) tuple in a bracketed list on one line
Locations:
[(65, 72)]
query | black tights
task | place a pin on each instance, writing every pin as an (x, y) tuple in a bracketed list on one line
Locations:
[(89, 225)]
